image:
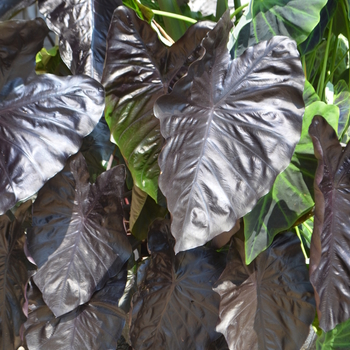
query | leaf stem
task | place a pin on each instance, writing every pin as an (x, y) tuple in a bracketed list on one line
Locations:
[(174, 15), (163, 32), (307, 227), (238, 10), (320, 85), (301, 242), (304, 66)]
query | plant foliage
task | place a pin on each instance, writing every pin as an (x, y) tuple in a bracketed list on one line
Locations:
[(127, 162)]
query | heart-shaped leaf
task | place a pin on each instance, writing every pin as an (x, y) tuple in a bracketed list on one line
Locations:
[(265, 19), (78, 238), (19, 43), (42, 122), (95, 325), (228, 124), (330, 244), (13, 277), (175, 306), (139, 69), (268, 304), (82, 28)]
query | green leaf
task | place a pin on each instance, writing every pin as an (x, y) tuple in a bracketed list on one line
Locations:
[(289, 199), (342, 100), (316, 35), (144, 210), (337, 338), (267, 18), (309, 94), (329, 112), (292, 193), (50, 61), (221, 7), (142, 11)]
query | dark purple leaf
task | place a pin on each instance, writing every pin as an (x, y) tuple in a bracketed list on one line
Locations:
[(175, 306), (8, 8), (78, 238), (82, 28), (231, 127), (139, 69), (268, 304), (330, 243), (13, 277), (19, 43), (95, 325), (42, 122)]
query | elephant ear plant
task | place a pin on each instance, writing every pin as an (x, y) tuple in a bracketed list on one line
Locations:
[(119, 178)]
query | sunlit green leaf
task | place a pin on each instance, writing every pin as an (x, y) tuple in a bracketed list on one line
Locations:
[(265, 19)]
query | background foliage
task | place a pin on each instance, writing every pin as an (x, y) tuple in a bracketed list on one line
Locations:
[(138, 138)]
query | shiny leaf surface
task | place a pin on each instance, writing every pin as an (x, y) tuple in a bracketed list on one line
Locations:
[(265, 19), (175, 306), (330, 244), (82, 28), (13, 277), (42, 122), (227, 125), (268, 304), (292, 193), (139, 69), (19, 43), (95, 325), (77, 238)]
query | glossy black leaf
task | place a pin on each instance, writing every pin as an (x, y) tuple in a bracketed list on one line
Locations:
[(42, 122), (139, 69), (8, 8), (175, 306), (13, 277), (228, 124), (82, 28), (19, 43), (330, 243), (78, 238), (95, 325), (268, 304)]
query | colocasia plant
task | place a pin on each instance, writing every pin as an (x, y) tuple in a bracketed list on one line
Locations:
[(187, 194)]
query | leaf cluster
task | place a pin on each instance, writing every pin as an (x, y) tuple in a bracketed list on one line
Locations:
[(174, 185)]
